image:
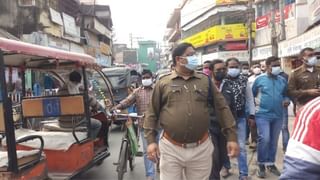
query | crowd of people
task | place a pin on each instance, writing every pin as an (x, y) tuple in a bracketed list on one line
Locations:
[(196, 121)]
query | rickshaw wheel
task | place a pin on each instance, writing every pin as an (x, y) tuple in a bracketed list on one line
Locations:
[(99, 162)]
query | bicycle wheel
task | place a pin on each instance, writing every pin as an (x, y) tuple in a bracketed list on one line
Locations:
[(131, 159), (122, 166)]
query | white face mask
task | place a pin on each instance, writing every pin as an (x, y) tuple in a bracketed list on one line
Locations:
[(192, 62), (147, 82), (312, 61), (276, 70), (245, 71), (233, 72)]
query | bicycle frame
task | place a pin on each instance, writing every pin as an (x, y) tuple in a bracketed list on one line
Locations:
[(126, 153)]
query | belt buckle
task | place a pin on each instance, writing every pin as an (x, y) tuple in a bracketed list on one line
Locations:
[(190, 145)]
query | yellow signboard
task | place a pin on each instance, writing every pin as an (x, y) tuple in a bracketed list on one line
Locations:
[(222, 2), (105, 48), (229, 32)]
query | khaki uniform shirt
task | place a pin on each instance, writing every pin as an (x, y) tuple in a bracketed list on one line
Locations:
[(181, 107), (300, 80)]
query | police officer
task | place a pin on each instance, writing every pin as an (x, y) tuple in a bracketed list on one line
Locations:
[(304, 82), (180, 104)]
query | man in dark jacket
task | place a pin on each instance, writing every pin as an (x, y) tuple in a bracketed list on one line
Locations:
[(220, 155)]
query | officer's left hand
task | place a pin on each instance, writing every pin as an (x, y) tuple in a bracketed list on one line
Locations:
[(233, 149)]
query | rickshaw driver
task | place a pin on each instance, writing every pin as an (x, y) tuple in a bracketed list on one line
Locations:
[(72, 87)]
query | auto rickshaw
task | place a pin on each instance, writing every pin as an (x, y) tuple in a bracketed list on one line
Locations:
[(121, 78), (50, 149)]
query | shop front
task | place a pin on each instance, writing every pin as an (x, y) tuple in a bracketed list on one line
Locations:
[(289, 50), (243, 56)]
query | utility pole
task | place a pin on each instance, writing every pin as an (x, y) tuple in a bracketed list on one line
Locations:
[(274, 37), (250, 13), (130, 35), (282, 21), (132, 38)]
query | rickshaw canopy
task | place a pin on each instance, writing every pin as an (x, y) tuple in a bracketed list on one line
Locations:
[(19, 54)]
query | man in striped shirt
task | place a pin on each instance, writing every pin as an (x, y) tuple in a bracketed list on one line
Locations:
[(302, 159), (141, 96)]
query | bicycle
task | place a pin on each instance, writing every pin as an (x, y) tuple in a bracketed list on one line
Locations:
[(129, 144)]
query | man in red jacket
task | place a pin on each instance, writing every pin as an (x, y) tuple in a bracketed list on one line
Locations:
[(302, 159)]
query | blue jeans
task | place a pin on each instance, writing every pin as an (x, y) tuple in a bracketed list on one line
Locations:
[(148, 165), (285, 130), (95, 128), (268, 135), (242, 158)]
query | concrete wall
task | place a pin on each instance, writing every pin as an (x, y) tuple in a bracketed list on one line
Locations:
[(8, 13)]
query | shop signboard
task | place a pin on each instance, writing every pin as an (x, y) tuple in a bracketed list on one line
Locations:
[(261, 53), (294, 46), (231, 32), (103, 60), (105, 48), (264, 21), (56, 17), (70, 25)]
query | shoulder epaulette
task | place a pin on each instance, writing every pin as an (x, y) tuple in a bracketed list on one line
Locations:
[(164, 75)]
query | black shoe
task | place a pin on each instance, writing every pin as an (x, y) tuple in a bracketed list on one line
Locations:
[(261, 173), (274, 170)]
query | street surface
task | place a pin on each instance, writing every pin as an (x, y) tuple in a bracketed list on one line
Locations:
[(107, 171)]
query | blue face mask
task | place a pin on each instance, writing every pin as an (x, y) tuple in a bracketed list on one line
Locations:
[(192, 62), (276, 70), (233, 72), (312, 61)]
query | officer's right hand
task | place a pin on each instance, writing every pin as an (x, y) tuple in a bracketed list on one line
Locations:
[(314, 92), (233, 149), (153, 152)]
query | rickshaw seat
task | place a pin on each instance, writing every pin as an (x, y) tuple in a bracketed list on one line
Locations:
[(53, 140), (23, 156), (54, 126)]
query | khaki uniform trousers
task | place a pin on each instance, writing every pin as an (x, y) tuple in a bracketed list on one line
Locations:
[(178, 163)]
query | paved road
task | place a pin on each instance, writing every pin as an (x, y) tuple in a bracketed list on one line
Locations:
[(107, 170)]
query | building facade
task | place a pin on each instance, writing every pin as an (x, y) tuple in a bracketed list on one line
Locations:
[(149, 55), (63, 24), (217, 29), (301, 30)]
